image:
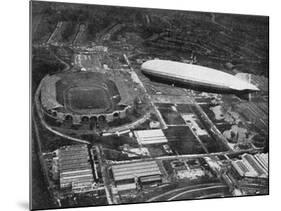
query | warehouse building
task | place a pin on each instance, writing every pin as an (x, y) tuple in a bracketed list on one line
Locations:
[(249, 166), (155, 136), (243, 170), (250, 159), (263, 160), (126, 176), (75, 170)]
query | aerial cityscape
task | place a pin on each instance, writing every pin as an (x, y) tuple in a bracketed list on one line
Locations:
[(133, 105)]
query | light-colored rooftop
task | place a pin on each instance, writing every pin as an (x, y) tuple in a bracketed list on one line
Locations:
[(132, 170), (48, 90), (154, 136)]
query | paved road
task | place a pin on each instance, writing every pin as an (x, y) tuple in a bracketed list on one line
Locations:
[(67, 66), (211, 195), (136, 79), (186, 188), (104, 175), (55, 32), (43, 164), (195, 190), (213, 127), (191, 156), (213, 19)]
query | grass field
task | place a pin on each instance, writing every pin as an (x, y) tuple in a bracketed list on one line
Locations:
[(182, 140), (170, 116), (88, 98)]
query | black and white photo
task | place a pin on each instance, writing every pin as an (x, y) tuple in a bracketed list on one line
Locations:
[(135, 105)]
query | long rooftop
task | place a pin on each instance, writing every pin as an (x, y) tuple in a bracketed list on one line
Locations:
[(135, 169)]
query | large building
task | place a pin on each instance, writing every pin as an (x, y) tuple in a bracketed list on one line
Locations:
[(251, 160), (126, 176), (263, 160), (83, 98), (155, 136), (75, 171), (195, 76), (251, 166)]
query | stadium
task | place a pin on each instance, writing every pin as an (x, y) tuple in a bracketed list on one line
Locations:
[(196, 76), (83, 97)]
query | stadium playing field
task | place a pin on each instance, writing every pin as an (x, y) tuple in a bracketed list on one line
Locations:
[(88, 98)]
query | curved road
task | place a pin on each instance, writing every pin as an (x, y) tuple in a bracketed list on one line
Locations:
[(184, 190), (195, 190), (213, 19)]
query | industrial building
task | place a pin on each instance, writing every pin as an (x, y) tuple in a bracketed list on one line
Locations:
[(250, 159), (195, 75), (155, 136), (243, 170), (249, 166), (75, 171), (127, 175), (263, 160)]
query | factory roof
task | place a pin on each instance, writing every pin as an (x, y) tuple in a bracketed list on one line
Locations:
[(254, 163), (150, 136), (74, 167), (135, 169)]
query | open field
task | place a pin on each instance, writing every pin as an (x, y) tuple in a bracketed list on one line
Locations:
[(170, 116), (88, 98), (182, 140)]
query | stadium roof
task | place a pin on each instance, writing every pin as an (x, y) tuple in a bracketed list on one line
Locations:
[(48, 88), (196, 74)]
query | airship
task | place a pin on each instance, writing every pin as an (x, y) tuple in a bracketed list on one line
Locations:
[(196, 76)]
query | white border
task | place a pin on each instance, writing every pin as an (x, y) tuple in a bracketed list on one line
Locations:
[(14, 104)]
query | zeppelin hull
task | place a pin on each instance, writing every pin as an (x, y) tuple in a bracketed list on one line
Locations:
[(189, 84), (195, 77)]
